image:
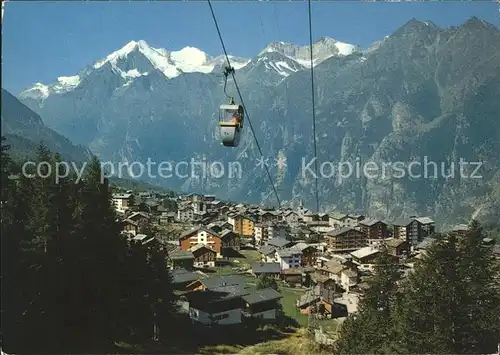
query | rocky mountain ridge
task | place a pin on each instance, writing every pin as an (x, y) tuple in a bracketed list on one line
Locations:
[(421, 93)]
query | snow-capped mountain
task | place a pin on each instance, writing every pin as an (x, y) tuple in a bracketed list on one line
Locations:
[(323, 49), (399, 101), (137, 59)]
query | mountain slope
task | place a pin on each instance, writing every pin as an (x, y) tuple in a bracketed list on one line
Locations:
[(24, 129), (423, 92)]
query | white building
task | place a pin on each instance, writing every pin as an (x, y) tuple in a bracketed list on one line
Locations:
[(122, 202), (288, 258), (348, 278), (265, 231), (185, 214)]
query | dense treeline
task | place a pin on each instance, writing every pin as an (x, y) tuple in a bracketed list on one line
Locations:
[(70, 281), (450, 304)]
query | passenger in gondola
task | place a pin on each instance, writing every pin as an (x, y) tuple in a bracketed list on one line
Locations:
[(236, 119)]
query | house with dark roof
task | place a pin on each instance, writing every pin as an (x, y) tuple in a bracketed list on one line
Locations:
[(231, 305), (203, 255), (183, 259), (200, 235), (261, 304), (129, 226), (216, 281), (279, 243), (397, 247), (374, 228), (182, 277), (345, 239), (229, 241), (267, 254), (412, 229), (269, 269)]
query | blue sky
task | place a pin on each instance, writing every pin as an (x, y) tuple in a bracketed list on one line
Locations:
[(44, 40)]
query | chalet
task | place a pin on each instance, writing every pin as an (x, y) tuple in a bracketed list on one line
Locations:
[(373, 229), (308, 254), (152, 206), (323, 217), (268, 216), (122, 202), (345, 239), (215, 282), (460, 230), (202, 236), (203, 255), (279, 243), (292, 276), (288, 258), (328, 307), (228, 305), (129, 227), (397, 247), (140, 217), (269, 269), (229, 241), (307, 302), (323, 281), (181, 259), (321, 303), (291, 217), (267, 254), (332, 270), (183, 277), (219, 226), (167, 217), (366, 255), (261, 304), (310, 217), (185, 214), (336, 220), (353, 220)]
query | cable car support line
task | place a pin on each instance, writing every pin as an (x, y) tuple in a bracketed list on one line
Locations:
[(313, 107), (231, 71)]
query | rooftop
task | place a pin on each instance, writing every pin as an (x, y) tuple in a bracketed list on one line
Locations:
[(278, 242), (181, 255), (263, 295), (364, 252), (266, 268)]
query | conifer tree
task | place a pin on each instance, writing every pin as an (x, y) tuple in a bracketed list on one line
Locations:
[(451, 301), (370, 329)]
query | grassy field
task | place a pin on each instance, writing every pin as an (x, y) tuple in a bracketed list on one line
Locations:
[(289, 303)]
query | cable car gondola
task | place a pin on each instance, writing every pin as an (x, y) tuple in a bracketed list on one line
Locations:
[(230, 118)]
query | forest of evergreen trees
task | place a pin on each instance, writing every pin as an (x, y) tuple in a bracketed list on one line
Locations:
[(450, 304), (70, 282)]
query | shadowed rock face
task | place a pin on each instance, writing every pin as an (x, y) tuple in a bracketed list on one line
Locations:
[(421, 93), (24, 129)]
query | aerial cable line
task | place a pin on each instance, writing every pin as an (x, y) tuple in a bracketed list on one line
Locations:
[(242, 103), (313, 108)]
